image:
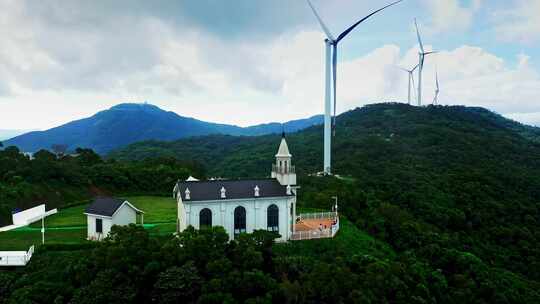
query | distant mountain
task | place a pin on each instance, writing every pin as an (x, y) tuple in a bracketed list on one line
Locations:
[(128, 123), (7, 134), (390, 133), (290, 126)]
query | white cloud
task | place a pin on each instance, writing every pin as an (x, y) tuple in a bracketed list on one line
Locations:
[(51, 75), (519, 23), (451, 15), (532, 119), (472, 76)]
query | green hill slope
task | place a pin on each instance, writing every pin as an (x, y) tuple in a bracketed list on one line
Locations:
[(427, 180), (378, 133)]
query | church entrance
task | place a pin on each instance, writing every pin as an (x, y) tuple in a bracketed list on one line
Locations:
[(239, 221)]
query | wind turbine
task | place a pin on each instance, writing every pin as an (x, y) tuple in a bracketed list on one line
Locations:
[(421, 56), (411, 81), (437, 90), (331, 44)]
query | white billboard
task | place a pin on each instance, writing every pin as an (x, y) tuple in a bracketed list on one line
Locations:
[(24, 217)]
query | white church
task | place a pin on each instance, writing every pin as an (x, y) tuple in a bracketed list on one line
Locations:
[(241, 206)]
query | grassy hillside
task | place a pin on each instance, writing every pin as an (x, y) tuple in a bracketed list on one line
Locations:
[(60, 182), (68, 226), (427, 179)]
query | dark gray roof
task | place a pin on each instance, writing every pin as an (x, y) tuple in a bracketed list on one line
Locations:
[(105, 206), (235, 189)]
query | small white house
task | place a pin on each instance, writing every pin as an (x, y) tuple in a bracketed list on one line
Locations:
[(103, 213)]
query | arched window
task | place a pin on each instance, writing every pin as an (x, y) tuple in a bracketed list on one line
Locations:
[(205, 218), (239, 220), (272, 218)]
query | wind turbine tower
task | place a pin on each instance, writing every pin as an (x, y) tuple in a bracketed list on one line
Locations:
[(421, 58), (331, 45), (411, 82)]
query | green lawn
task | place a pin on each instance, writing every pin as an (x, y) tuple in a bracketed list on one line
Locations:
[(156, 209), (69, 217), (68, 226), (22, 239)]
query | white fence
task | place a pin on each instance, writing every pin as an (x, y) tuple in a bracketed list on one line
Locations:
[(317, 215), (16, 258), (311, 234), (317, 233), (335, 227)]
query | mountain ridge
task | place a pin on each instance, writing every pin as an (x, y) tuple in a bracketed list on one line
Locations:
[(10, 133), (369, 117), (127, 123)]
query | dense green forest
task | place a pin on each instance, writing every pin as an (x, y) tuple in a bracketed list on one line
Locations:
[(422, 179), (204, 267), (68, 180), (452, 191)]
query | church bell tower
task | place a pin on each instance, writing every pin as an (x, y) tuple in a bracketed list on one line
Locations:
[(283, 170)]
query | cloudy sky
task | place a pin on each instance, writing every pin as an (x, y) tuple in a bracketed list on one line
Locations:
[(252, 61)]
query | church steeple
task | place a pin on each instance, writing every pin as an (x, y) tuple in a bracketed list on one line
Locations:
[(283, 170), (283, 151)]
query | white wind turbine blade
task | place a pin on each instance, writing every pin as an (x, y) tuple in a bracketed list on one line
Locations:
[(436, 97), (418, 35), (403, 69), (323, 26), (347, 31), (400, 67)]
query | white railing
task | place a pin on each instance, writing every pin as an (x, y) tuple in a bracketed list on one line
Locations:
[(283, 169), (317, 215), (12, 260), (317, 233), (29, 253), (311, 234), (16, 258), (335, 227)]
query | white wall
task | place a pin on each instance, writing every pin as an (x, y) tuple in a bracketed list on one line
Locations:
[(181, 214), (124, 216), (256, 214), (91, 227)]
